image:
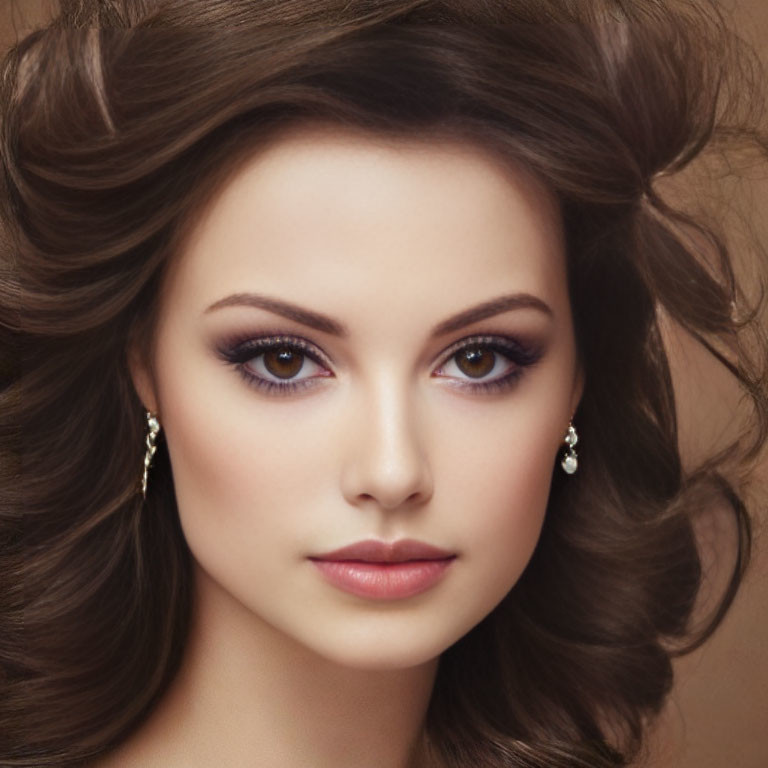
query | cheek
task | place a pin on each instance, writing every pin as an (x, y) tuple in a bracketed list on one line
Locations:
[(520, 491), (238, 471), (504, 489)]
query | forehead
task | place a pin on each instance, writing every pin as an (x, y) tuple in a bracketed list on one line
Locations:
[(328, 212)]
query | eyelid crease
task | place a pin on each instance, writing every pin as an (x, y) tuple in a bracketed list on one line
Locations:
[(248, 341), (525, 354), (239, 347)]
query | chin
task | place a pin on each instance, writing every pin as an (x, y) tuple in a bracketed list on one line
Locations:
[(380, 651), (380, 659)]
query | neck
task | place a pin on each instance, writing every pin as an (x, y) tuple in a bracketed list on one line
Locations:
[(248, 695)]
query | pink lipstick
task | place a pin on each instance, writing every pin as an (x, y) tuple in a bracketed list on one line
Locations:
[(384, 570)]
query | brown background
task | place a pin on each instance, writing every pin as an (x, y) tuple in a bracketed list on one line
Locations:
[(717, 716)]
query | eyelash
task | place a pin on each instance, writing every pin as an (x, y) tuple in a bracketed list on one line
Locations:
[(238, 352)]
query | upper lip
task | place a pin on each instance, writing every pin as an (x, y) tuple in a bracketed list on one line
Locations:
[(374, 551)]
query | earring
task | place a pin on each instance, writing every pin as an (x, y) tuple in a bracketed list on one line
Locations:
[(154, 428), (570, 461)]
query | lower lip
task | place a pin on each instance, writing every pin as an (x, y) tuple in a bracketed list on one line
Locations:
[(383, 581)]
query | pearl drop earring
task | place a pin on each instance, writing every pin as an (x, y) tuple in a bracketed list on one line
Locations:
[(570, 462), (154, 428)]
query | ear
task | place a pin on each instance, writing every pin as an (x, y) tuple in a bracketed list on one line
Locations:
[(579, 381), (142, 378)]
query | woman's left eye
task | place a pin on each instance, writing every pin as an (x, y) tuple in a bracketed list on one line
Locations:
[(487, 363)]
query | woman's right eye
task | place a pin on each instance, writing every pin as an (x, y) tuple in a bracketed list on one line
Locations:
[(281, 363), (276, 364)]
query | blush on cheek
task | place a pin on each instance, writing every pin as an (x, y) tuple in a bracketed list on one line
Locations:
[(520, 501), (522, 473), (198, 459), (215, 494)]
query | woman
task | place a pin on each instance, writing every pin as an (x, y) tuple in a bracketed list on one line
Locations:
[(335, 382)]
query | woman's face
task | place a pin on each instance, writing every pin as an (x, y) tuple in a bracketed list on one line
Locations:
[(365, 341)]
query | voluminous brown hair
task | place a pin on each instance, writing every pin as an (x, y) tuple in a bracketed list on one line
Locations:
[(121, 118)]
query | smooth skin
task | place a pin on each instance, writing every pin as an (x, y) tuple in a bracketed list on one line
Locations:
[(390, 435)]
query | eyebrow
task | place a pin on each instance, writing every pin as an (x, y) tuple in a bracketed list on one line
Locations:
[(333, 327)]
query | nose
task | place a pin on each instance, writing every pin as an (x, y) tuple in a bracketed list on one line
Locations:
[(385, 461)]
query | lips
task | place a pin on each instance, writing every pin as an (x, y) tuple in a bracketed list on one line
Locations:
[(384, 570), (372, 551)]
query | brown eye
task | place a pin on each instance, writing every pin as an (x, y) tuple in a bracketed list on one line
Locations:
[(283, 362), (475, 361), (487, 364)]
